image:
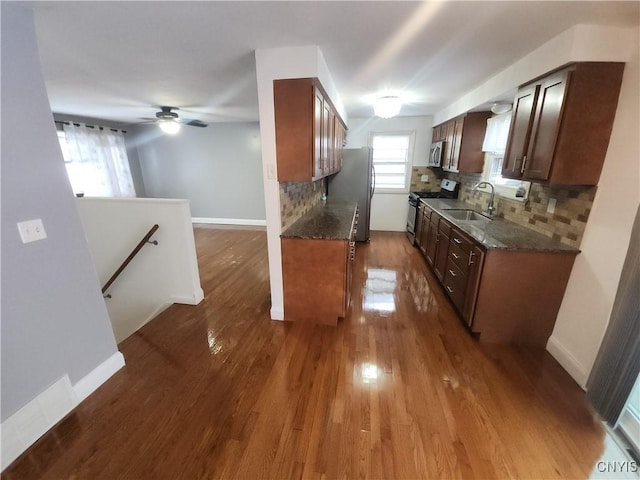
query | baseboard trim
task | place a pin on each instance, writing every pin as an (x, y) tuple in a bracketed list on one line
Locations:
[(277, 313), (90, 382), (197, 297), (27, 425), (230, 221), (567, 361)]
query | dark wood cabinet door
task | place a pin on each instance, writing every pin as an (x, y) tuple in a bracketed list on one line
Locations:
[(458, 125), (449, 130), (521, 125), (419, 225), (475, 263), (432, 240), (318, 133), (544, 134), (442, 254)]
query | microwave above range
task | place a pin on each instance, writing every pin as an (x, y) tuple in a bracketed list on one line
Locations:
[(436, 152)]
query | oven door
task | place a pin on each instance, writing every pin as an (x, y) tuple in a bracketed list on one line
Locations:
[(411, 219)]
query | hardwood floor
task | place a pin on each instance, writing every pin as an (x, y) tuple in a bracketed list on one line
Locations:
[(398, 389)]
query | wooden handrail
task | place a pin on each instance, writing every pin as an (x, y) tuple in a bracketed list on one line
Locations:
[(133, 253)]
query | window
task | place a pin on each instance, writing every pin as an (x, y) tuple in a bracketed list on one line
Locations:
[(505, 187), (494, 144), (392, 154), (96, 161)]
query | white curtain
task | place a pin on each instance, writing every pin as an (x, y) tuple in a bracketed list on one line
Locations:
[(97, 162)]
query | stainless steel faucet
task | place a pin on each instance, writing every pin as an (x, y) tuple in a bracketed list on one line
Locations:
[(493, 194)]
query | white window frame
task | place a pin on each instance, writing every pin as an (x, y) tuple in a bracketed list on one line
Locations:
[(411, 134), (505, 187)]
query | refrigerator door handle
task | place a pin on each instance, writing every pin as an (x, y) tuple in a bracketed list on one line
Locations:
[(373, 185)]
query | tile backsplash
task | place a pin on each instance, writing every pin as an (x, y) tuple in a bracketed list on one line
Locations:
[(417, 185), (566, 224), (296, 199)]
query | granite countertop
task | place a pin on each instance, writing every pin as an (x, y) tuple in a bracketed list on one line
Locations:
[(498, 233), (329, 220)]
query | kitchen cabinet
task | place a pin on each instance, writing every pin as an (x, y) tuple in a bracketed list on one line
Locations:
[(431, 246), (424, 219), (317, 277), (438, 134), (504, 295), (442, 249), (462, 275), (463, 137), (561, 124), (309, 131)]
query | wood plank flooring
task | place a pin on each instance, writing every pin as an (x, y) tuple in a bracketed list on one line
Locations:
[(398, 390)]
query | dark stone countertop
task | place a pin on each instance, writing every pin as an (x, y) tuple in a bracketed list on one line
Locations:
[(498, 233), (329, 220)]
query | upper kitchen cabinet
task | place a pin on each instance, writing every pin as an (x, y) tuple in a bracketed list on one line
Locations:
[(463, 138), (309, 131), (561, 124)]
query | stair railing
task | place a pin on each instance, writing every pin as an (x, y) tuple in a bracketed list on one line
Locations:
[(127, 261)]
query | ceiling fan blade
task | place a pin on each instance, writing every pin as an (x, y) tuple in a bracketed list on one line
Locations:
[(195, 123)]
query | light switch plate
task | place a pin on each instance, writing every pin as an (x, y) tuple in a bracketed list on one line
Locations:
[(32, 230), (551, 206), (424, 178)]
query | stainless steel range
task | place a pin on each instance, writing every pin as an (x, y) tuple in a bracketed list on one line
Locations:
[(448, 189)]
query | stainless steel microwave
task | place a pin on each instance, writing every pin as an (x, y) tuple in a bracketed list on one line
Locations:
[(436, 152)]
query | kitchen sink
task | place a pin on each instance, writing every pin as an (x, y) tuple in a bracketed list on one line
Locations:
[(468, 215)]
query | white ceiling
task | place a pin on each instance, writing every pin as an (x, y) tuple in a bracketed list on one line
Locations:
[(120, 60)]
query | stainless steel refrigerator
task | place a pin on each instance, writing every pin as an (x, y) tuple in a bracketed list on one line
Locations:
[(356, 181)]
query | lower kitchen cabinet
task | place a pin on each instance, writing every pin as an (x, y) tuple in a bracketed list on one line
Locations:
[(519, 296), (504, 295), (462, 273), (316, 279)]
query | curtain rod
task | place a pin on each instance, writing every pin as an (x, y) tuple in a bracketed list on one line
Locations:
[(89, 126)]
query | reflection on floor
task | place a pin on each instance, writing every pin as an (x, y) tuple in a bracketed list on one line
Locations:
[(398, 389)]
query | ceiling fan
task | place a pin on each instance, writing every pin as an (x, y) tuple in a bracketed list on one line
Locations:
[(169, 121)]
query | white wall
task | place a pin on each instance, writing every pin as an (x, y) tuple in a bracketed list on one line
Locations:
[(54, 322), (160, 274), (587, 304), (271, 64), (217, 168), (586, 308), (389, 210)]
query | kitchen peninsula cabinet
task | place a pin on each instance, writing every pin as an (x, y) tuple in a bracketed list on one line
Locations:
[(318, 252), (309, 131), (463, 137), (561, 124)]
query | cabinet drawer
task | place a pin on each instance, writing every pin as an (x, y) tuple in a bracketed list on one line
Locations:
[(461, 241), (459, 256), (456, 276), (452, 286), (445, 227)]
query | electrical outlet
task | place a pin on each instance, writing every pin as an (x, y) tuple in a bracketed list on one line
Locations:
[(551, 206), (32, 230), (424, 178)]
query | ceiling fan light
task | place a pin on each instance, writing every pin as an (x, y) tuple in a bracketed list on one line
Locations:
[(387, 107), (169, 126)]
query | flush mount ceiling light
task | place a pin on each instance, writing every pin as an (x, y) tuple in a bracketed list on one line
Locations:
[(500, 108), (387, 107), (170, 125)]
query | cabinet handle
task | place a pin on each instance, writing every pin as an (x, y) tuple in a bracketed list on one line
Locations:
[(449, 289), (455, 256), (471, 262), (453, 274), (524, 164), (458, 241)]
